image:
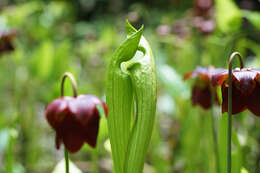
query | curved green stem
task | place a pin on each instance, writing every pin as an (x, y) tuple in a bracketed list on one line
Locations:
[(74, 87), (229, 159), (73, 82)]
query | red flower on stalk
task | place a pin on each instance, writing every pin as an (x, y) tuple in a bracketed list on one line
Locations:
[(75, 120), (245, 89), (202, 92)]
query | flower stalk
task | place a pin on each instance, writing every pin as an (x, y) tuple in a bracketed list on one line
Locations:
[(229, 149), (74, 87), (66, 155), (214, 131)]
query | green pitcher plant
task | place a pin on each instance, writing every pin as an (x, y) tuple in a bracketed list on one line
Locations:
[(131, 99)]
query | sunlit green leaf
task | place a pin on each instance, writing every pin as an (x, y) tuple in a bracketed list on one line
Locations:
[(229, 16)]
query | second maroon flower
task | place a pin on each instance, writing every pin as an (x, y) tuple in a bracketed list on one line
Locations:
[(202, 89)]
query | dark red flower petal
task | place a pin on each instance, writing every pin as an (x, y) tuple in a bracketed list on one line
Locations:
[(238, 100), (92, 133), (201, 96), (73, 141), (201, 92), (245, 80), (201, 72), (219, 77), (254, 100), (75, 120), (85, 108), (58, 141), (55, 111), (245, 73), (70, 131)]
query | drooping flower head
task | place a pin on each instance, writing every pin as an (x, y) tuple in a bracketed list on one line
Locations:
[(202, 90), (75, 120), (245, 89)]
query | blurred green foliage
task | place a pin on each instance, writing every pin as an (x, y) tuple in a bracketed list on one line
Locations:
[(80, 37)]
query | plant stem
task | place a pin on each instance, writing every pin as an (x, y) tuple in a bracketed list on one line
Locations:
[(94, 161), (215, 141), (66, 155), (74, 87), (73, 82), (214, 130), (9, 155), (229, 159)]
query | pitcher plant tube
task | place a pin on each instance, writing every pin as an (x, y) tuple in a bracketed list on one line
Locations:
[(131, 82), (74, 119), (204, 95)]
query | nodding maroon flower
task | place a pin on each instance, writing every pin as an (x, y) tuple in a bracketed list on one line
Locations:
[(75, 120), (6, 38), (245, 89), (202, 89)]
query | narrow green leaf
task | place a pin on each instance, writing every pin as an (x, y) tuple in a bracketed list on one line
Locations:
[(223, 143)]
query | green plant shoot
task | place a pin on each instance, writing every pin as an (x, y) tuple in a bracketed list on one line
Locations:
[(131, 99)]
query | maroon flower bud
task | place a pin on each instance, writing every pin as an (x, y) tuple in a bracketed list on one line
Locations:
[(6, 38), (245, 89), (202, 90), (75, 120)]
